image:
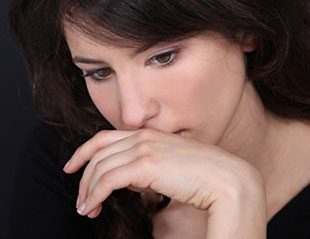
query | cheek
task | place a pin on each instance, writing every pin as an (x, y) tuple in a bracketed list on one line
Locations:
[(210, 94), (105, 99)]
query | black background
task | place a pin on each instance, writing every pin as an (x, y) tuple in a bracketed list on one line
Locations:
[(17, 116)]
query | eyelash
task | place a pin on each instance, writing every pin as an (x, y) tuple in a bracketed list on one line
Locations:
[(173, 55), (171, 52)]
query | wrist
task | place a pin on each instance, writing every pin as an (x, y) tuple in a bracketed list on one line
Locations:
[(241, 212)]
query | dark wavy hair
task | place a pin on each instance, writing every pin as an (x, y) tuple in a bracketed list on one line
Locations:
[(279, 67)]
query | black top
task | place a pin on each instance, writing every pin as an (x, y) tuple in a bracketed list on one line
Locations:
[(43, 199)]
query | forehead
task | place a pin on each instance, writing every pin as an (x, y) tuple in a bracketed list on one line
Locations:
[(84, 44), (77, 36), (78, 39), (82, 41)]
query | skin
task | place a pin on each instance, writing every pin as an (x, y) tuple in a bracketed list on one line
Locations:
[(237, 158)]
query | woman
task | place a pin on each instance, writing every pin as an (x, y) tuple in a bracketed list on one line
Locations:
[(191, 117)]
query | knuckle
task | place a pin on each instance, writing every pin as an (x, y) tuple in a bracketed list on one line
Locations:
[(144, 146), (145, 163), (98, 166), (106, 179), (98, 170), (101, 137), (96, 158), (146, 134), (83, 150), (101, 133), (78, 150), (94, 195)]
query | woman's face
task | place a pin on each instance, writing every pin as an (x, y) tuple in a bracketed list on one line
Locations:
[(194, 84)]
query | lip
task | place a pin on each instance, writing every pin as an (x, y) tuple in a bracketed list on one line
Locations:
[(179, 132)]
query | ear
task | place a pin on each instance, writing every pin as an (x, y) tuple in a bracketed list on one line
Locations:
[(248, 43)]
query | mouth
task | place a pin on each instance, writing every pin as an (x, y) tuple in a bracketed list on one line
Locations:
[(179, 132)]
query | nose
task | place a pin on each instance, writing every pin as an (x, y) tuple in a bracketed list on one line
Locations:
[(138, 107)]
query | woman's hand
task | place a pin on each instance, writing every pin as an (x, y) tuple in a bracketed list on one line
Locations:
[(183, 169)]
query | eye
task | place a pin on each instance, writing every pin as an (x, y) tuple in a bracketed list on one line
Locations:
[(164, 59), (99, 74)]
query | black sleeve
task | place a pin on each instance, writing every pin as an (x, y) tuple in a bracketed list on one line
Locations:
[(43, 198)]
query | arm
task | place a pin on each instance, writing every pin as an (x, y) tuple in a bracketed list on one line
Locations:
[(187, 171), (241, 213)]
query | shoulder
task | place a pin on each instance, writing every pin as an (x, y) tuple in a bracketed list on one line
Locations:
[(42, 158), (42, 193), (46, 142), (43, 137)]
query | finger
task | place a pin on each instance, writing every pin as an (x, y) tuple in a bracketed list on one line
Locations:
[(95, 213), (100, 163), (116, 160), (137, 174), (89, 148), (140, 190)]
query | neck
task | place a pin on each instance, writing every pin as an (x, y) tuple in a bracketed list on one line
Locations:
[(275, 146)]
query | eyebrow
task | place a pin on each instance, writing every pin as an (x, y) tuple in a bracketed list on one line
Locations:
[(84, 60)]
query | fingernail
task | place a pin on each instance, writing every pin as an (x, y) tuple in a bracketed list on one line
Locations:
[(77, 201), (67, 164), (81, 209)]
